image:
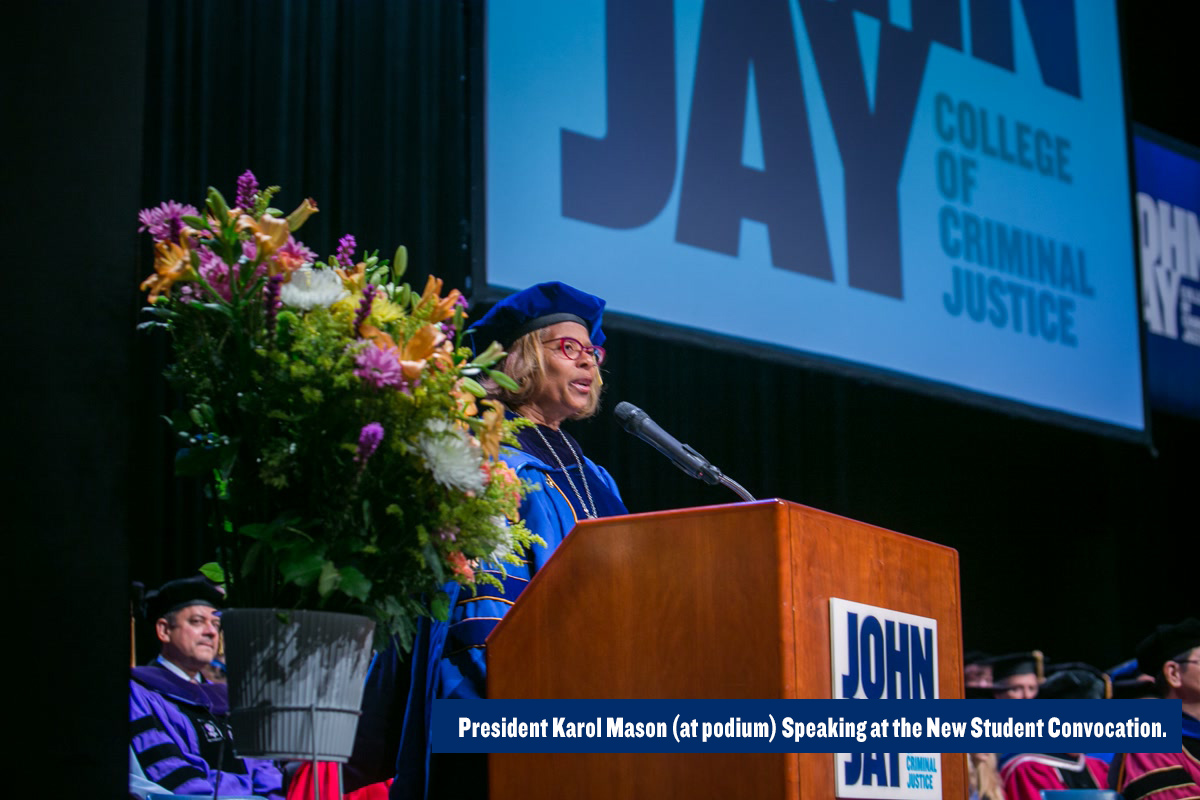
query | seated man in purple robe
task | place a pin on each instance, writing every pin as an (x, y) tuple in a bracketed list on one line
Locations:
[(178, 720)]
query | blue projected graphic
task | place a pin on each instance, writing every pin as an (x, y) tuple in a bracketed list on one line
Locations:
[(941, 193), (1168, 213)]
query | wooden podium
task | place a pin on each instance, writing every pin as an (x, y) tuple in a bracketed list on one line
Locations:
[(718, 602)]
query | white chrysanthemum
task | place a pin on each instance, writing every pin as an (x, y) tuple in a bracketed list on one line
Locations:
[(450, 456), (505, 548), (312, 288)]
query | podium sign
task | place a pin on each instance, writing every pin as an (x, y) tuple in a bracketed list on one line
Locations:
[(881, 654)]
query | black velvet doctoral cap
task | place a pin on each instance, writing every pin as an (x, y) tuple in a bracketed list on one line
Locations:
[(535, 308), (1167, 642), (181, 593), (1074, 681), (1006, 666), (976, 657)]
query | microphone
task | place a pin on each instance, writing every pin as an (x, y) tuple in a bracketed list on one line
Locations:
[(638, 422)]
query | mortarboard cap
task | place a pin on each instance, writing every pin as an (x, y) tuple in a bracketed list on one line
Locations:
[(539, 307), (181, 593), (1074, 681), (1167, 642), (1006, 666), (976, 657)]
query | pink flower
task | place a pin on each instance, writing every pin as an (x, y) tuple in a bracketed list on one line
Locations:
[(165, 222), (216, 272), (294, 254), (380, 367)]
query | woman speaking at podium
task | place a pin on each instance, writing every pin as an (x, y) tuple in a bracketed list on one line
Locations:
[(552, 335)]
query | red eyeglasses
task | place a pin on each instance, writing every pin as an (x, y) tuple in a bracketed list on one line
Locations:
[(572, 349)]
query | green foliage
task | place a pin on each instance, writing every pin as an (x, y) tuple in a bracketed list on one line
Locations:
[(212, 570)]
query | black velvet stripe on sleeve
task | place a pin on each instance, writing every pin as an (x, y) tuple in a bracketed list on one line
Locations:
[(179, 776), (160, 752), (1156, 781), (1083, 779), (143, 724)]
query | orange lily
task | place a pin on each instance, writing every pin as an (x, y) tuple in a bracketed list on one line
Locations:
[(414, 353), (419, 348), (270, 233), (172, 263), (443, 307), (381, 339), (301, 214), (492, 433), (464, 399), (355, 280)]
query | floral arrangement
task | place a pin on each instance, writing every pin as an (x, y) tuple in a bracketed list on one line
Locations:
[(332, 414)]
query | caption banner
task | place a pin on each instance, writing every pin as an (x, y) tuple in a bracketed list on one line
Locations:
[(805, 726)]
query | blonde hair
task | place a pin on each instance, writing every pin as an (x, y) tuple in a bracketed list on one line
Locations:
[(984, 777), (526, 364)]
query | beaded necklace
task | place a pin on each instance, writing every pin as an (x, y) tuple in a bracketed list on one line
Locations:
[(590, 513)]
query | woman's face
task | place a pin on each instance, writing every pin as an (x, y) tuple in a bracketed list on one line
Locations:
[(568, 384)]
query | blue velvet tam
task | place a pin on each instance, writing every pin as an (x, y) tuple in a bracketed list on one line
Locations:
[(539, 307)]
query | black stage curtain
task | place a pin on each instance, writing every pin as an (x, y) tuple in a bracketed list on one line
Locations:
[(359, 105), (73, 73)]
